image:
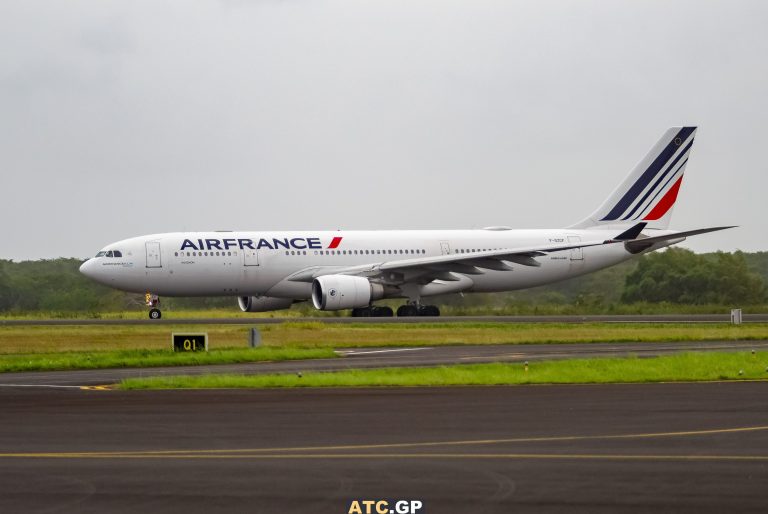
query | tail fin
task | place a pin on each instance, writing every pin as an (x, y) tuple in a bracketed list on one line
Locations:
[(648, 194)]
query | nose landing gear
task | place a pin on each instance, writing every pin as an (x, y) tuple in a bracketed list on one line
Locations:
[(153, 301)]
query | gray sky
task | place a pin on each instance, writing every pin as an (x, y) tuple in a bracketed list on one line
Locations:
[(119, 119)]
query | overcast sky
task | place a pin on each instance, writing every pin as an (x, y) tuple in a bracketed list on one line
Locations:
[(123, 118)]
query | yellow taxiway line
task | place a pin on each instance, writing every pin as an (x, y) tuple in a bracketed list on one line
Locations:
[(314, 452)]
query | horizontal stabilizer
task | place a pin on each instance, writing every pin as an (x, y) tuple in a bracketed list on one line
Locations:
[(638, 245)]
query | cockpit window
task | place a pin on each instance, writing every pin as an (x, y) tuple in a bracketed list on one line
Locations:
[(101, 254), (117, 253), (109, 253)]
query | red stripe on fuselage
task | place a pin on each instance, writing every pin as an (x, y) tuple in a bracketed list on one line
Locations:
[(666, 202), (335, 242)]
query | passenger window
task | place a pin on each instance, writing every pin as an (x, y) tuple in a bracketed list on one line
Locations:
[(176, 254)]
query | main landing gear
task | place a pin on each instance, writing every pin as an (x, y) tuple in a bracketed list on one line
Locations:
[(413, 309), (153, 301), (372, 312)]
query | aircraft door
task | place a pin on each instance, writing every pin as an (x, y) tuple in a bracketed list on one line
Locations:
[(577, 254), (445, 248), (250, 257), (153, 254)]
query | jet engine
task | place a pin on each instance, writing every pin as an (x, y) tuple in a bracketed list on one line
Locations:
[(336, 292), (263, 303)]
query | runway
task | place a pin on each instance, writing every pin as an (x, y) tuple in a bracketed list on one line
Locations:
[(367, 358), (169, 319), (611, 448)]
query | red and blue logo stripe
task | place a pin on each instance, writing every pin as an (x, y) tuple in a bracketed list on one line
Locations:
[(640, 200)]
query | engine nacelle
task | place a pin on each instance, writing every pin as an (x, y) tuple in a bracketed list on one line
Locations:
[(263, 303), (336, 292)]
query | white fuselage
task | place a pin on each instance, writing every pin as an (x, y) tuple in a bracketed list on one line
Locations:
[(262, 263)]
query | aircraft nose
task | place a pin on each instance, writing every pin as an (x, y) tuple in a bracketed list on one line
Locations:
[(88, 269)]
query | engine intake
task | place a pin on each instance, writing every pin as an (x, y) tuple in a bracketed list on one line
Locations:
[(263, 303), (336, 292)]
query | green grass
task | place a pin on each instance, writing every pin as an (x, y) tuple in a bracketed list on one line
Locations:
[(683, 367), (150, 358), (315, 334), (50, 339)]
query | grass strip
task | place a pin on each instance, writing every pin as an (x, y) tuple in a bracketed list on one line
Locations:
[(685, 367), (314, 334), (152, 358)]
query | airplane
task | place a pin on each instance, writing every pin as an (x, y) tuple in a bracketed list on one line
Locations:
[(340, 270)]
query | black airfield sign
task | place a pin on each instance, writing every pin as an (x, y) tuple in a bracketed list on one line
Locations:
[(190, 342)]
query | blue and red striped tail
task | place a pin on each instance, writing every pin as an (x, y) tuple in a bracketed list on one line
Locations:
[(649, 192)]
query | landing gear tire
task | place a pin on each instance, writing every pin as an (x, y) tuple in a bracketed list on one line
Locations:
[(155, 314), (372, 312), (429, 310), (407, 311), (381, 312)]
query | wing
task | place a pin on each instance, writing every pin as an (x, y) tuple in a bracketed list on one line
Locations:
[(423, 270), (455, 267)]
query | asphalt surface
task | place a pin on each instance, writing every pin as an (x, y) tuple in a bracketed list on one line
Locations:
[(383, 358), (168, 319), (610, 448)]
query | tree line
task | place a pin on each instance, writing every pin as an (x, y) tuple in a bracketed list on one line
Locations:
[(676, 276)]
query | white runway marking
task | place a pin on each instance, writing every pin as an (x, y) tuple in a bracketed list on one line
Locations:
[(52, 386), (354, 352)]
